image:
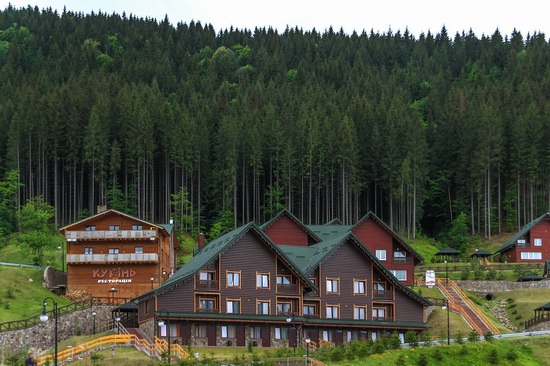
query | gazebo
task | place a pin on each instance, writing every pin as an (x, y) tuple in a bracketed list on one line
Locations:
[(542, 314), (481, 255), (448, 254)]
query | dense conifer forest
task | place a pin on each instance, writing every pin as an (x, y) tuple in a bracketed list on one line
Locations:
[(227, 126)]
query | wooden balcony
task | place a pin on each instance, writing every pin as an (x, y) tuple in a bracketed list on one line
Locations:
[(311, 316), (207, 285), (382, 295), (111, 235), (207, 311), (113, 258), (382, 319), (287, 289)]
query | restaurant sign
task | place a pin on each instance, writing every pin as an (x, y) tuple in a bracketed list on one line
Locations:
[(116, 275)]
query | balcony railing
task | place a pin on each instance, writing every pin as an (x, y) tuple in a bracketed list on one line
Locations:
[(402, 260), (382, 319), (104, 258), (523, 245), (382, 294), (110, 234), (311, 316), (209, 285), (287, 288), (207, 311)]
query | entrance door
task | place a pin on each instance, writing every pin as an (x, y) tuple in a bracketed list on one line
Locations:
[(266, 337), (292, 341), (239, 333), (185, 330), (337, 337), (211, 335)]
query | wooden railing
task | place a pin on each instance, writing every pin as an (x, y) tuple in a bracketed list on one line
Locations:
[(110, 234), (211, 285), (466, 266), (104, 258), (536, 320), (116, 340)]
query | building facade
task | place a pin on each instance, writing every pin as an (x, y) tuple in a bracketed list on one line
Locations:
[(530, 244), (115, 255), (244, 287)]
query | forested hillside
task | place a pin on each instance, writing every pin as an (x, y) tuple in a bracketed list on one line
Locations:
[(184, 120)]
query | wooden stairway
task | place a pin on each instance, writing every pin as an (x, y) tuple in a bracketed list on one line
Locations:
[(460, 303)]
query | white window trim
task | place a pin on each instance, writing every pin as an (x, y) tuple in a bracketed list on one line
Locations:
[(381, 254)]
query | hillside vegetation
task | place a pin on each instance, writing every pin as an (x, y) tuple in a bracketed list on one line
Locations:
[(434, 132)]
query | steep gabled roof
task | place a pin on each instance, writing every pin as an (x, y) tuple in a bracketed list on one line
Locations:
[(113, 212), (286, 212), (214, 249), (448, 251), (311, 257), (335, 221), (371, 215), (329, 231), (523, 231)]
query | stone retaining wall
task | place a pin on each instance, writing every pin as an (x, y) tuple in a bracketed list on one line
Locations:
[(500, 286), (39, 338)]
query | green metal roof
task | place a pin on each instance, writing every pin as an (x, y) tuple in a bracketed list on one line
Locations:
[(211, 252), (448, 251), (329, 231), (512, 241), (309, 258)]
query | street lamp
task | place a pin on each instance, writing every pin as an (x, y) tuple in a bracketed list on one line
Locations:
[(161, 324), (118, 324), (446, 272), (44, 318), (93, 315), (62, 257), (448, 323), (290, 320), (307, 350), (152, 279), (113, 291)]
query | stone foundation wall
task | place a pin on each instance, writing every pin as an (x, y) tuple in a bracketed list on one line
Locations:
[(40, 337)]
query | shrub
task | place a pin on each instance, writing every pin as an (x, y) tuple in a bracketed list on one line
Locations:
[(437, 355), (473, 336), (411, 338), (337, 354), (492, 357), (422, 360), (250, 346), (401, 360), (511, 355), (459, 337), (489, 336)]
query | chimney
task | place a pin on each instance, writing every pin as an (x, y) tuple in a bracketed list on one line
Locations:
[(201, 241)]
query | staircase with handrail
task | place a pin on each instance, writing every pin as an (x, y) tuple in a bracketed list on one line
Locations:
[(460, 303)]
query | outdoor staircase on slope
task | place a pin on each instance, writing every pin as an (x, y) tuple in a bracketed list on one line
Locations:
[(460, 303)]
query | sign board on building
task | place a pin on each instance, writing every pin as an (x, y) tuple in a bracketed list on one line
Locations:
[(430, 278)]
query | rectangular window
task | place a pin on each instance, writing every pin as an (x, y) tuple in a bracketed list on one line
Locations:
[(206, 304), (201, 331), (262, 307), (360, 313), (309, 310), (262, 280), (378, 313), (206, 276), (233, 307), (538, 242), (399, 255), (137, 227), (281, 333), (284, 308), (114, 250), (233, 279), (381, 254), (359, 287), (139, 250), (332, 285), (88, 250), (283, 280), (327, 336), (228, 331), (114, 227), (255, 332), (332, 311), (521, 241), (90, 227), (531, 255), (401, 274)]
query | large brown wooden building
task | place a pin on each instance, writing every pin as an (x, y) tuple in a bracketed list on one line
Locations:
[(115, 255), (245, 287)]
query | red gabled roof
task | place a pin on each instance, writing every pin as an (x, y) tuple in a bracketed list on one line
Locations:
[(285, 213)]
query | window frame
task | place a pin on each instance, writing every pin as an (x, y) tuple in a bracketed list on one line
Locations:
[(358, 281), (114, 250), (232, 301), (332, 281), (232, 273), (537, 242), (268, 302), (227, 329), (531, 256), (89, 250), (139, 250), (360, 307), (379, 255), (263, 274), (394, 272), (114, 227), (333, 307), (281, 333)]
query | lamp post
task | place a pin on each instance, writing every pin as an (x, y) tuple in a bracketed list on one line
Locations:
[(290, 320), (446, 272), (152, 280), (93, 315), (118, 324), (448, 322), (161, 324), (62, 257), (44, 318), (113, 291), (307, 350)]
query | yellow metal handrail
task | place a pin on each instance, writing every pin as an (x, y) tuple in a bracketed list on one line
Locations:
[(475, 309)]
